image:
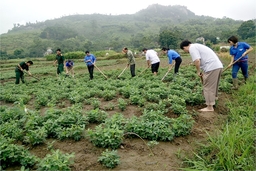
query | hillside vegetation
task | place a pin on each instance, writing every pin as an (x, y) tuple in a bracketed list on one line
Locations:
[(103, 32)]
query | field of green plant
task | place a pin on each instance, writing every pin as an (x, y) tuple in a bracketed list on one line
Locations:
[(65, 123)]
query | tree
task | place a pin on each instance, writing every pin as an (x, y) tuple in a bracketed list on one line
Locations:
[(169, 39), (3, 54), (38, 48), (247, 29), (19, 53)]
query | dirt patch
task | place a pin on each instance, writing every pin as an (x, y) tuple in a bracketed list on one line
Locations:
[(134, 153)]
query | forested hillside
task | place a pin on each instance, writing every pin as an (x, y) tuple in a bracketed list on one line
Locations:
[(102, 32)]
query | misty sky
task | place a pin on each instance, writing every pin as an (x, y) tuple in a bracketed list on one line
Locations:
[(23, 11)]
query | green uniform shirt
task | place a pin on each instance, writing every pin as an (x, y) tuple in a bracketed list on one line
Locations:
[(23, 65), (60, 59), (131, 59)]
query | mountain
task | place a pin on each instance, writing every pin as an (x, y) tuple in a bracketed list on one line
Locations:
[(98, 31)]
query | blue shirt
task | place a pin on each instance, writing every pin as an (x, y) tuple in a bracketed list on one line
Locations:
[(172, 55), (238, 51), (89, 57), (69, 64)]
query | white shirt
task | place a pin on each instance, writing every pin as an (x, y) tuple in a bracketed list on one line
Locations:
[(152, 56), (209, 61)]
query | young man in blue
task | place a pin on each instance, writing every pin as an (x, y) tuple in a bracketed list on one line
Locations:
[(69, 68), (237, 50), (173, 55), (90, 60)]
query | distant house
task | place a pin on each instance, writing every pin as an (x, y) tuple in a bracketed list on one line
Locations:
[(48, 51), (200, 39), (224, 48)]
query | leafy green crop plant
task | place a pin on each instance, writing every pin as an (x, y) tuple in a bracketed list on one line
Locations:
[(109, 159), (56, 161)]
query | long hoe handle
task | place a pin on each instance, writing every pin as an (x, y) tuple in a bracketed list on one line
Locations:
[(233, 63), (142, 71), (122, 72), (166, 73), (32, 76), (101, 72)]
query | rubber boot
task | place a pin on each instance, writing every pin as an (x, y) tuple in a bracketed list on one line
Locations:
[(245, 79), (235, 84)]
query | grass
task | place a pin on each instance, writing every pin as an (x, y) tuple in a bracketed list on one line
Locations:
[(232, 148)]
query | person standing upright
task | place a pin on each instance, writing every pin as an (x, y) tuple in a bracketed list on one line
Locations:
[(237, 50), (206, 59), (61, 60), (131, 60), (90, 60), (19, 71), (173, 55), (152, 60)]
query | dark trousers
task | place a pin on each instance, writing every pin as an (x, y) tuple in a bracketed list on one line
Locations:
[(244, 67), (132, 69), (177, 64), (60, 68), (90, 69), (154, 67), (19, 75)]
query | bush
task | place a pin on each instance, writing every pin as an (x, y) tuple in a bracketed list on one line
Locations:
[(109, 159), (69, 55), (106, 137), (56, 161)]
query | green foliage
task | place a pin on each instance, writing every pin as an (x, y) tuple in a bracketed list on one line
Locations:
[(97, 115), (169, 39), (232, 148), (122, 104), (12, 154), (56, 161), (110, 31), (73, 132), (12, 129), (247, 29), (95, 103), (37, 136), (9, 114), (109, 159), (50, 57), (109, 95), (182, 125), (152, 144), (106, 137), (116, 121), (151, 125), (74, 55), (57, 33)]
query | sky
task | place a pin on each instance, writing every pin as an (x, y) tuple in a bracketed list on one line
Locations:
[(24, 11)]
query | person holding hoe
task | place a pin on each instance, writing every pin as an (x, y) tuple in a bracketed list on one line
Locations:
[(61, 60), (152, 59), (69, 66), (239, 52), (206, 59), (131, 60), (19, 70), (173, 55), (90, 60)]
